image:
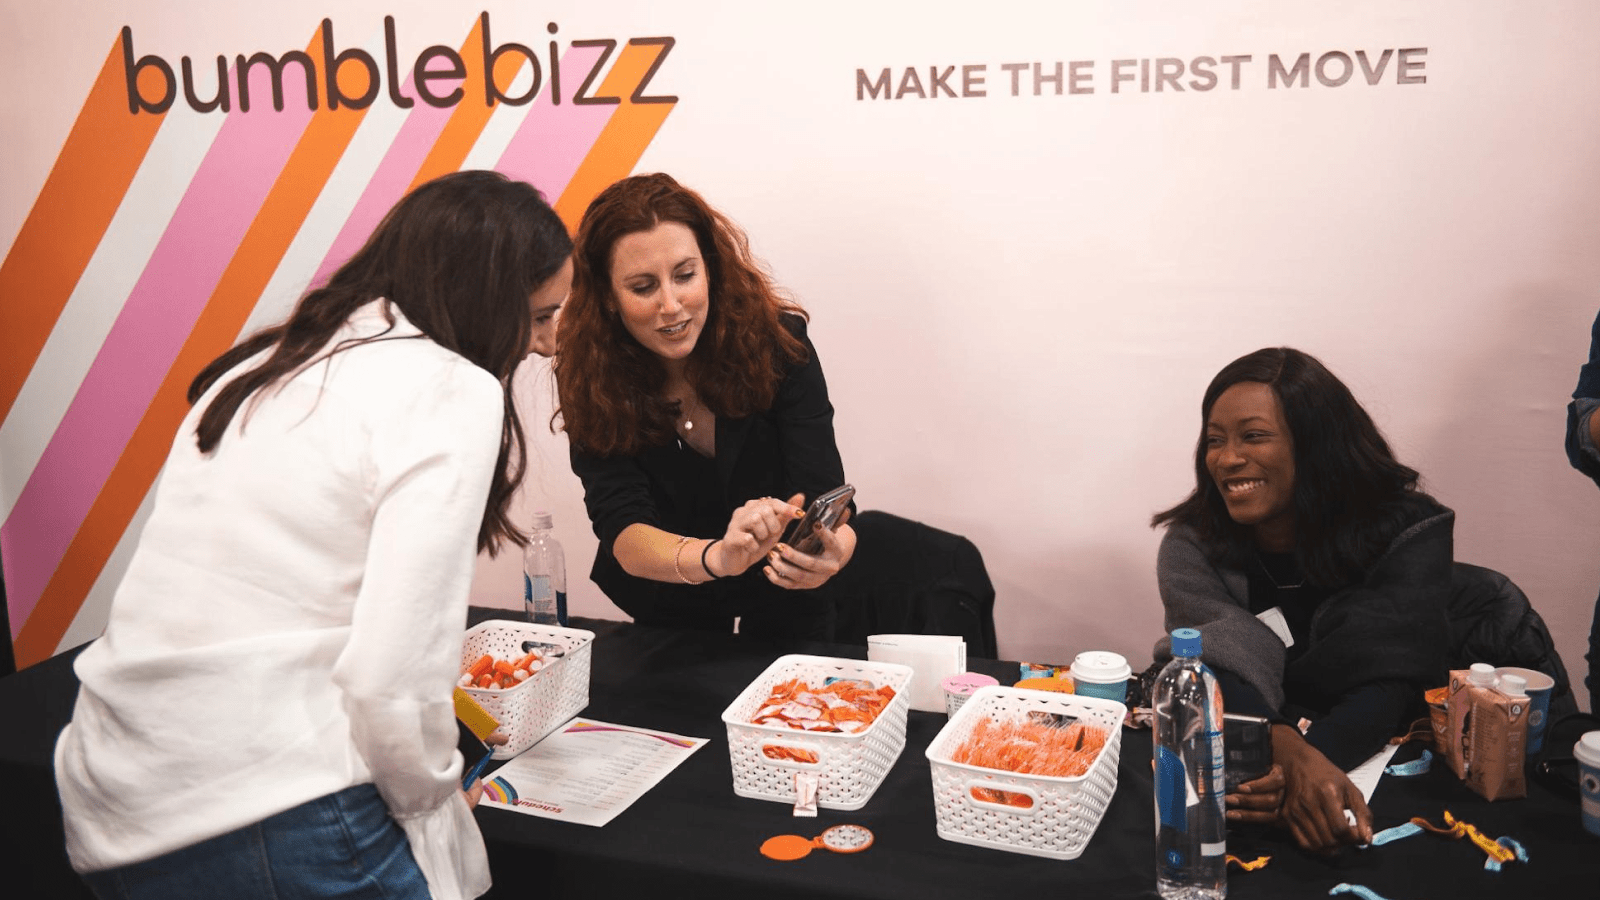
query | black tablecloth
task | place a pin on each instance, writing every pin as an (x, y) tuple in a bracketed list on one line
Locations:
[(692, 836)]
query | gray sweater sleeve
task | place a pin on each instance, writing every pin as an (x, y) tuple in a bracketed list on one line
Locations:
[(1197, 594)]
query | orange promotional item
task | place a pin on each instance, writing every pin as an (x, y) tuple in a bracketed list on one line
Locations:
[(839, 839)]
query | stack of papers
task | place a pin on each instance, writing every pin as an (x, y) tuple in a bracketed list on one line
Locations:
[(932, 658)]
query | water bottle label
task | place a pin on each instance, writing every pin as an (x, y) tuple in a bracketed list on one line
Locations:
[(539, 598), (1220, 848), (1172, 789), (1219, 770)]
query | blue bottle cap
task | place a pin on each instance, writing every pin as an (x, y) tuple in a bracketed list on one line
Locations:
[(1186, 642)]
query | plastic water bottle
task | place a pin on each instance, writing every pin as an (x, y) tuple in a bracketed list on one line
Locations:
[(1191, 833), (544, 575)]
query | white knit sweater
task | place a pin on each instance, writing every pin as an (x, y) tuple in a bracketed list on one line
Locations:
[(291, 622)]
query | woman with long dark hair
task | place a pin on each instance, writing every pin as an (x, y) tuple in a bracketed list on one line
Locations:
[(698, 418), (269, 708), (1318, 574)]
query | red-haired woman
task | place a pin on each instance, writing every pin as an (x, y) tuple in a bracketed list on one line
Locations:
[(698, 418)]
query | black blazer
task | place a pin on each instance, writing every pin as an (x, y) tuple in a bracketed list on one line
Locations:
[(778, 452)]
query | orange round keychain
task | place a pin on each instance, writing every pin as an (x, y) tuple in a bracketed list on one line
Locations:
[(839, 839)]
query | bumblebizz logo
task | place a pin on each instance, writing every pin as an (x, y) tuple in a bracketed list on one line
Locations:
[(438, 74)]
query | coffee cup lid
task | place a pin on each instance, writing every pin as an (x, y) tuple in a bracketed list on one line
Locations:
[(1587, 749), (1101, 667), (1534, 680)]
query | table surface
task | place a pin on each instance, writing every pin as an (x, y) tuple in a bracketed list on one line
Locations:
[(691, 835)]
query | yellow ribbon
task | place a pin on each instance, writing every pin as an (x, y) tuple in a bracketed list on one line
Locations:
[(1459, 829), (1250, 866)]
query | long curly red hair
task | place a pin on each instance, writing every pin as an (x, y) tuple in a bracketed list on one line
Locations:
[(609, 386)]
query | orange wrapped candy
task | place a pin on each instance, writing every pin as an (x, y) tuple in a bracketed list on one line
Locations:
[(488, 673), (1029, 747), (841, 706)]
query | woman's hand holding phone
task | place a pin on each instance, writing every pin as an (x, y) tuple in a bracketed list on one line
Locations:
[(753, 530), (1258, 801), (789, 568), (1317, 795)]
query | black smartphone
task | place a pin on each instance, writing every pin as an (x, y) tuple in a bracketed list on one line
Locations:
[(824, 511), (1247, 743)]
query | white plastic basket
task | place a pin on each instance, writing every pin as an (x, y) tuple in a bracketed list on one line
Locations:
[(548, 698), (1065, 811), (849, 767)]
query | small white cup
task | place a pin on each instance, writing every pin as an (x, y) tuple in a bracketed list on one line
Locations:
[(957, 688), (1101, 673), (1587, 753), (1538, 685)]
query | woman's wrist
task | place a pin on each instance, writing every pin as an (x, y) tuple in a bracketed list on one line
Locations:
[(718, 565)]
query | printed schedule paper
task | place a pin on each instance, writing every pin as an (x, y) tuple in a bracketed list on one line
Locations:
[(586, 771)]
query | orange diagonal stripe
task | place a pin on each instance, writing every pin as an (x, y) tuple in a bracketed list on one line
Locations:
[(104, 149), (624, 138), (470, 115), (274, 227)]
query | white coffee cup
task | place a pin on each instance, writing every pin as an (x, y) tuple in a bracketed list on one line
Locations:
[(1101, 673)]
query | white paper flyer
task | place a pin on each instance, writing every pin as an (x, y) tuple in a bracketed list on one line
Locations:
[(586, 771)]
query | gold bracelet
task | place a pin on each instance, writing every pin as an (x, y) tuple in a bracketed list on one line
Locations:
[(676, 554)]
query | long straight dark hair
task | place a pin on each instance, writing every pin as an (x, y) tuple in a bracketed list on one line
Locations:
[(1351, 496), (459, 257)]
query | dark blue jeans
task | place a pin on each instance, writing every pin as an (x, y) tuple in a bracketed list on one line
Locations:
[(342, 845)]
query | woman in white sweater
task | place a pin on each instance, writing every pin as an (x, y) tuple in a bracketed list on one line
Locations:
[(268, 713)]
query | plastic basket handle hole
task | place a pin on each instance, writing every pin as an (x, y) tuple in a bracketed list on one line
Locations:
[(799, 755), (997, 797)]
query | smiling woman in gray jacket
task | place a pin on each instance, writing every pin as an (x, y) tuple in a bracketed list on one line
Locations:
[(1319, 576)]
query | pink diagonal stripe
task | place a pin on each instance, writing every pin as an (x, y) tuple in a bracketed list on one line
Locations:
[(553, 140), (221, 201), (399, 166)]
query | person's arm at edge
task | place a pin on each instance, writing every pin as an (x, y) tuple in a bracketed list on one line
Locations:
[(1194, 595), (646, 551), (432, 467)]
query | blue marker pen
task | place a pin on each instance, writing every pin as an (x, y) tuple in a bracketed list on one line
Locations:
[(477, 770)]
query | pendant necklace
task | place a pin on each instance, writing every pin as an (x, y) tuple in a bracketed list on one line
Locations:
[(1282, 587)]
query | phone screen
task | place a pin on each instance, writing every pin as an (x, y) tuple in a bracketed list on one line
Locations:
[(1247, 741), (826, 510)]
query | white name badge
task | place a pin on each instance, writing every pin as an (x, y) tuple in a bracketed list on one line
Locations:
[(1273, 618)]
